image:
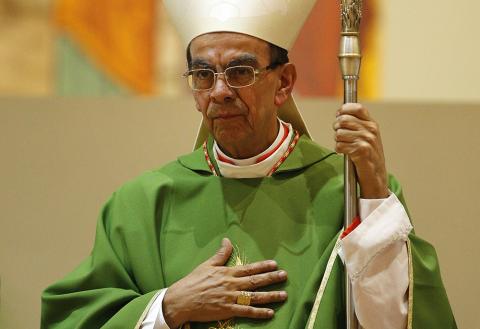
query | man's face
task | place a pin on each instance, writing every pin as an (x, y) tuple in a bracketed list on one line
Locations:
[(242, 120)]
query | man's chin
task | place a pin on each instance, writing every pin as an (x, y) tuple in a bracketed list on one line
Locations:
[(230, 130), (227, 137)]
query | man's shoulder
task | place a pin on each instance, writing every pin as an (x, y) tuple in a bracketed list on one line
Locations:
[(166, 174), (311, 146), (308, 154)]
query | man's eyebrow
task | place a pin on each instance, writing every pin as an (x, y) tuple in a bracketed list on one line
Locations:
[(201, 63), (246, 59)]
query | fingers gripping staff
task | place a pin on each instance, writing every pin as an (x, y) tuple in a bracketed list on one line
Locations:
[(358, 135)]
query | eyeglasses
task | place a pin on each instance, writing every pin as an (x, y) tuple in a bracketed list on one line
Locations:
[(235, 76)]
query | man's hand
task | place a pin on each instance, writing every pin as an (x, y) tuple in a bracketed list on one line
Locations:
[(358, 136), (210, 292)]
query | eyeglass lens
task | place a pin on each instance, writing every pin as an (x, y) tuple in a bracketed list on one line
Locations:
[(236, 76)]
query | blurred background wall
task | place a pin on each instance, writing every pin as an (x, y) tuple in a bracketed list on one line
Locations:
[(414, 51), (428, 50), (65, 146)]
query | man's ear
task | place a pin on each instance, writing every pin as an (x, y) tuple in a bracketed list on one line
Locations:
[(288, 76)]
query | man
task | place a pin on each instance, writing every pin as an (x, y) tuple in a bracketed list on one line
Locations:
[(271, 196)]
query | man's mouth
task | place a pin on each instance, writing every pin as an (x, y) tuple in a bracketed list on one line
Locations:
[(227, 116), (225, 113)]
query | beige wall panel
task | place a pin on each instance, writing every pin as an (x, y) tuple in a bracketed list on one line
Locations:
[(61, 159), (430, 50)]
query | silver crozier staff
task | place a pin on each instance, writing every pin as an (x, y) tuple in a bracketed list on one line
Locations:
[(350, 59)]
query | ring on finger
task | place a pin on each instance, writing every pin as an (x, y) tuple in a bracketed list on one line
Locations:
[(244, 298)]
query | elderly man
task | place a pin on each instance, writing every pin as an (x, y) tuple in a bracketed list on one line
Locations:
[(272, 197)]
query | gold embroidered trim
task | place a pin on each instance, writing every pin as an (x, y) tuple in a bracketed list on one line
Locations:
[(410, 285), (323, 284), (210, 165), (270, 173), (144, 314), (285, 155), (237, 258), (228, 324)]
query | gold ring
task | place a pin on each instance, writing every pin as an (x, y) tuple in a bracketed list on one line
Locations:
[(244, 298)]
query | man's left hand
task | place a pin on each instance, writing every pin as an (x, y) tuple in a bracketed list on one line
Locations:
[(358, 136)]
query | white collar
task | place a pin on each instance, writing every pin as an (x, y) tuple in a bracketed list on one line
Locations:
[(249, 168)]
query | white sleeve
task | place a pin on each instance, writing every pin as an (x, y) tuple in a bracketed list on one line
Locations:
[(376, 257), (154, 318)]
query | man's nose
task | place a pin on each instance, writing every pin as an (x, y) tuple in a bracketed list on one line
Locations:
[(222, 92)]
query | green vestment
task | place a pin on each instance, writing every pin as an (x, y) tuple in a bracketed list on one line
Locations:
[(156, 229)]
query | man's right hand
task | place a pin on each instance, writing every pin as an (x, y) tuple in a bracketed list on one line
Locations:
[(210, 292)]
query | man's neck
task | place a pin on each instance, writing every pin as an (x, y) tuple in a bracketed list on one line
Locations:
[(260, 165), (250, 149)]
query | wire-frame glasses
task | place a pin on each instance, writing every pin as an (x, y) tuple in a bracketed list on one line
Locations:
[(235, 76)]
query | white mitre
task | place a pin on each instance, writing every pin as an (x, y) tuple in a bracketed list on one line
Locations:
[(275, 21)]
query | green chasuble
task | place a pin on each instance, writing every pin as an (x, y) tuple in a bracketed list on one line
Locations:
[(156, 229)]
